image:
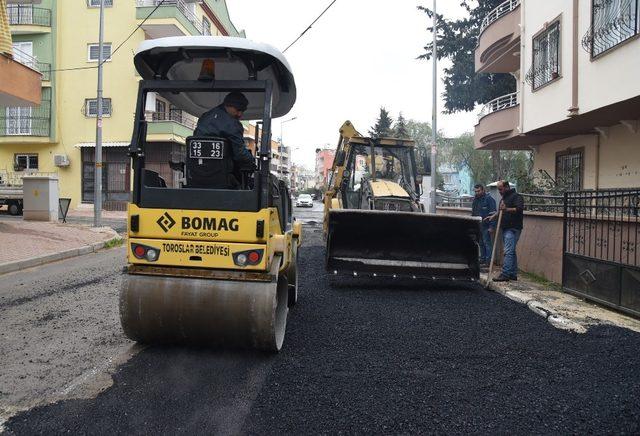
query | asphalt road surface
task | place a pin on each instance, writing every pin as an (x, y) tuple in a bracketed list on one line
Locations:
[(373, 358)]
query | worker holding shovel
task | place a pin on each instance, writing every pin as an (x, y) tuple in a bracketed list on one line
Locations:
[(510, 218)]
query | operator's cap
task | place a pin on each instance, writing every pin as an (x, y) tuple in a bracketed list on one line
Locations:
[(237, 100)]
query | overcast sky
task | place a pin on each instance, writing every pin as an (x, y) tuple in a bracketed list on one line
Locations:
[(358, 57)]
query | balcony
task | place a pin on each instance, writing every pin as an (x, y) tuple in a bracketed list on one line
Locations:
[(172, 126), (20, 84), (172, 18), (498, 123), (26, 19), (498, 49), (26, 121)]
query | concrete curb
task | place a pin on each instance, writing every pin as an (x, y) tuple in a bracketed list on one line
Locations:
[(8, 267), (537, 307)]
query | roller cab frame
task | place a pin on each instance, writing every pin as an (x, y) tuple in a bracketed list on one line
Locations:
[(205, 264)]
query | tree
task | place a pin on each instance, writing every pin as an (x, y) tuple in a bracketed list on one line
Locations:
[(383, 125), (462, 153), (457, 40), (400, 129)]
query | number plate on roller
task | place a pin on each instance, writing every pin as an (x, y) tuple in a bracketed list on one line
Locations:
[(203, 149)]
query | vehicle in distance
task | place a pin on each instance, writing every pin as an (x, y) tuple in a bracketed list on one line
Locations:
[(304, 200)]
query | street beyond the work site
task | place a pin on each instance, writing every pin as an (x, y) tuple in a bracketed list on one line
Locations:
[(366, 357)]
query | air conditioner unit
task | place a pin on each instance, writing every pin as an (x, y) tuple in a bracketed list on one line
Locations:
[(61, 160)]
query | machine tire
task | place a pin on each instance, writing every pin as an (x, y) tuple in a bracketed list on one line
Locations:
[(14, 209), (292, 275)]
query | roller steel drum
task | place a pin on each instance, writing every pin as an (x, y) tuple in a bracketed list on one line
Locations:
[(207, 312)]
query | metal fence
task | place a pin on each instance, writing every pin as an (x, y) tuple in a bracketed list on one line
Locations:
[(498, 104), (502, 10), (177, 116), (600, 247), (544, 203), (181, 6), (27, 14), (451, 201)]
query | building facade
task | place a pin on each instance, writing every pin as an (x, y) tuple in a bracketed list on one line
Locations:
[(577, 104), (324, 162), (59, 135)]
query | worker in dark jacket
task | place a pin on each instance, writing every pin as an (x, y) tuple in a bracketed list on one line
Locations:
[(483, 206), (223, 121), (512, 207)]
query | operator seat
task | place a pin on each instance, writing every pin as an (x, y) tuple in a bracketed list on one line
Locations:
[(210, 173)]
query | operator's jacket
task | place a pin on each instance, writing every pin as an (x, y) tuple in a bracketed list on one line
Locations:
[(217, 122)]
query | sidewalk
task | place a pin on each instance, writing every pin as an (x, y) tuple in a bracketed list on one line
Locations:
[(26, 244), (86, 211), (562, 310)]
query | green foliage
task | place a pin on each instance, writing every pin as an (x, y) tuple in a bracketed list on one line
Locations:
[(115, 242), (400, 129), (462, 153), (383, 125), (457, 40)]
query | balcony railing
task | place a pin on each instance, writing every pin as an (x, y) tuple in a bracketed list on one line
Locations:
[(27, 14), (31, 62), (502, 10), (27, 121), (176, 116), (498, 104), (180, 5)]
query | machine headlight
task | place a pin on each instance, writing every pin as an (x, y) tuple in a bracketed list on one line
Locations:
[(152, 255)]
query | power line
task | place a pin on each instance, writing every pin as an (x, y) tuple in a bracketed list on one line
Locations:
[(138, 27), (310, 25), (114, 51)]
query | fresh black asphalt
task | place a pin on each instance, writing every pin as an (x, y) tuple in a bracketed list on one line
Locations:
[(372, 358)]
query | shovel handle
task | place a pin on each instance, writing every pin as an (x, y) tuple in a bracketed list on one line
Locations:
[(495, 243)]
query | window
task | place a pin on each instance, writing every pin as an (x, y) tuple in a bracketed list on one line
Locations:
[(91, 107), (94, 52), (546, 57), (569, 169), (612, 22), (23, 53), (25, 162), (161, 107), (18, 120), (96, 3), (206, 26)]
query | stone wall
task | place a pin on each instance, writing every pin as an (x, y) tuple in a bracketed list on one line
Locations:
[(540, 245)]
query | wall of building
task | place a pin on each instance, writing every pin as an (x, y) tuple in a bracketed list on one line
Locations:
[(549, 103), (75, 25), (601, 78), (611, 161), (542, 233)]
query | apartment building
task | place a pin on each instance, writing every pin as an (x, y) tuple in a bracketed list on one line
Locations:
[(280, 159), (59, 135), (324, 163), (577, 104)]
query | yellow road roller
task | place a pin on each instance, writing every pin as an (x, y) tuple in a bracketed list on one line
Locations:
[(209, 262)]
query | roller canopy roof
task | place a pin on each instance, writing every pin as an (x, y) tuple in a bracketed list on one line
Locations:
[(181, 58)]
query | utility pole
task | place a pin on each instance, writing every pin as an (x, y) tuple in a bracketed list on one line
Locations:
[(434, 120), (97, 193)]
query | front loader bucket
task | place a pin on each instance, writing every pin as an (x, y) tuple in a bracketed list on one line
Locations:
[(403, 244)]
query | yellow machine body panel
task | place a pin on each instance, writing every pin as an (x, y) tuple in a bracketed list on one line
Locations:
[(209, 239), (387, 188), (204, 225)]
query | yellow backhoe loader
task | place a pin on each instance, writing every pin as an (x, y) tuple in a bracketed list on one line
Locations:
[(209, 261), (375, 224)]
